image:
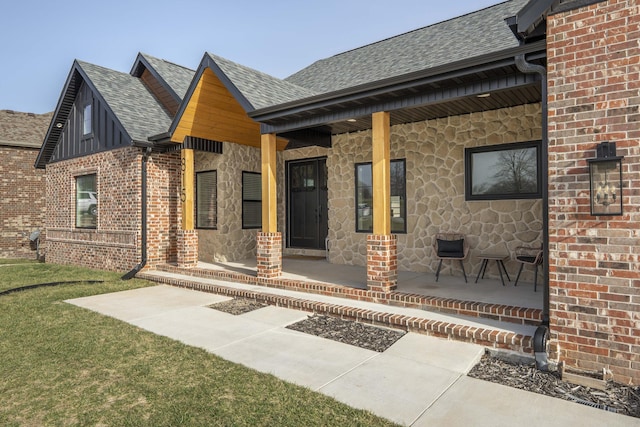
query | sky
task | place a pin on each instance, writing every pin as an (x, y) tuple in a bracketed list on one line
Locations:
[(39, 39)]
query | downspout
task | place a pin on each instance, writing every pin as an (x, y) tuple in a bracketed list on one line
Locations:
[(145, 158), (542, 333)]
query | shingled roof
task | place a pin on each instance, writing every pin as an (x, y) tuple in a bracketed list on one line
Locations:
[(464, 42), (176, 76), (471, 35), (131, 102), (259, 89), (23, 129)]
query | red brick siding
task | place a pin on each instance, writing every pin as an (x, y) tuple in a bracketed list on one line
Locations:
[(594, 277), (269, 255), (382, 262), (164, 207), (22, 201), (187, 246), (115, 244)]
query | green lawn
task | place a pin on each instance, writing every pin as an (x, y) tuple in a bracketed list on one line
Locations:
[(63, 365)]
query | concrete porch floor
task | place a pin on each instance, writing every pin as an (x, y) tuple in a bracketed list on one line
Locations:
[(317, 269)]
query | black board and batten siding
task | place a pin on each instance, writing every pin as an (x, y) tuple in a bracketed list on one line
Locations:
[(107, 133)]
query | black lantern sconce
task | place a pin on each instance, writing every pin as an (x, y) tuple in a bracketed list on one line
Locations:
[(605, 179)]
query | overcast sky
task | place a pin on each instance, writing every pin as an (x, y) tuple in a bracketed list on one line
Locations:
[(39, 39)]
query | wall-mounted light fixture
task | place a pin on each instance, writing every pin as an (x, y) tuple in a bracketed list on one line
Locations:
[(605, 179)]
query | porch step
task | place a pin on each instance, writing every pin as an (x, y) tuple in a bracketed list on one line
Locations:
[(483, 310), (488, 332)]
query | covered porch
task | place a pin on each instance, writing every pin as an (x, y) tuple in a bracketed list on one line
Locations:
[(485, 313), (317, 269), (488, 298), (423, 123)]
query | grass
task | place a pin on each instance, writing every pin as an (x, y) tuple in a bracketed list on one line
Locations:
[(61, 365), (5, 261)]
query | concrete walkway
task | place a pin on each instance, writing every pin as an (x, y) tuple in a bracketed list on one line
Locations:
[(418, 381)]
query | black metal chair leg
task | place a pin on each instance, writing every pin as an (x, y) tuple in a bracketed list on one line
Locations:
[(484, 270), (505, 270), (438, 270), (463, 272), (480, 271), (518, 277), (535, 279)]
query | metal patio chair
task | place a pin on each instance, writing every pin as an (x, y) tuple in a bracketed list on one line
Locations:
[(530, 256), (451, 246)]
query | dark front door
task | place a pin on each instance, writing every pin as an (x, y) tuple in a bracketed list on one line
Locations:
[(307, 202)]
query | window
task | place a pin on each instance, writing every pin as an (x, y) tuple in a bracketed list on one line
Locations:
[(86, 201), (364, 197), (251, 200), (508, 171), (206, 199), (86, 120)]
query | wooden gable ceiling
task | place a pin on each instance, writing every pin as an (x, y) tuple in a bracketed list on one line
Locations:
[(213, 113)]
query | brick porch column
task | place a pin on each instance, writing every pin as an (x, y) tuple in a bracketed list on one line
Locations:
[(269, 255), (187, 246), (382, 262)]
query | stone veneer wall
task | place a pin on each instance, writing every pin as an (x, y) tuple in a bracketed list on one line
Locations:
[(593, 58), (22, 201), (434, 153), (229, 242)]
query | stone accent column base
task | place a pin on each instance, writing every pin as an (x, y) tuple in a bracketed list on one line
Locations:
[(187, 248), (269, 255), (382, 262)]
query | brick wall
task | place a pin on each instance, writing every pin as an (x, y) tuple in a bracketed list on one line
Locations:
[(22, 201), (115, 242), (594, 82), (164, 210)]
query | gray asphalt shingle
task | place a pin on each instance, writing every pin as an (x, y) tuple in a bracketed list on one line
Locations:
[(176, 76), (131, 102), (260, 89), (475, 34)]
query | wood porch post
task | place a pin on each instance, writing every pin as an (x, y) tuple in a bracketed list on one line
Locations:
[(187, 237), (382, 259), (269, 240), (269, 199), (381, 170)]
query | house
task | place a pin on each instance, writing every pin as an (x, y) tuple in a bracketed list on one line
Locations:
[(22, 188), (487, 124), (97, 142)]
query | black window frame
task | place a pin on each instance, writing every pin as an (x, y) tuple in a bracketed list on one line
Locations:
[(198, 199), (470, 153), (248, 201), (403, 201), (77, 215)]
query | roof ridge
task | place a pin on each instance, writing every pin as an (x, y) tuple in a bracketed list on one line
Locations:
[(214, 56), (419, 29), (83, 63), (146, 55)]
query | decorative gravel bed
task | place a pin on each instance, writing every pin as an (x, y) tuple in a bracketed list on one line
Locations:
[(348, 332), (522, 375), (616, 398), (237, 306)]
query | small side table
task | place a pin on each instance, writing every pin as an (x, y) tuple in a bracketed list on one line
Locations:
[(499, 259)]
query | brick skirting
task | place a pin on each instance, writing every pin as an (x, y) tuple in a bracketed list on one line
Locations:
[(382, 263), (269, 255), (187, 248), (498, 312), (486, 337)]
